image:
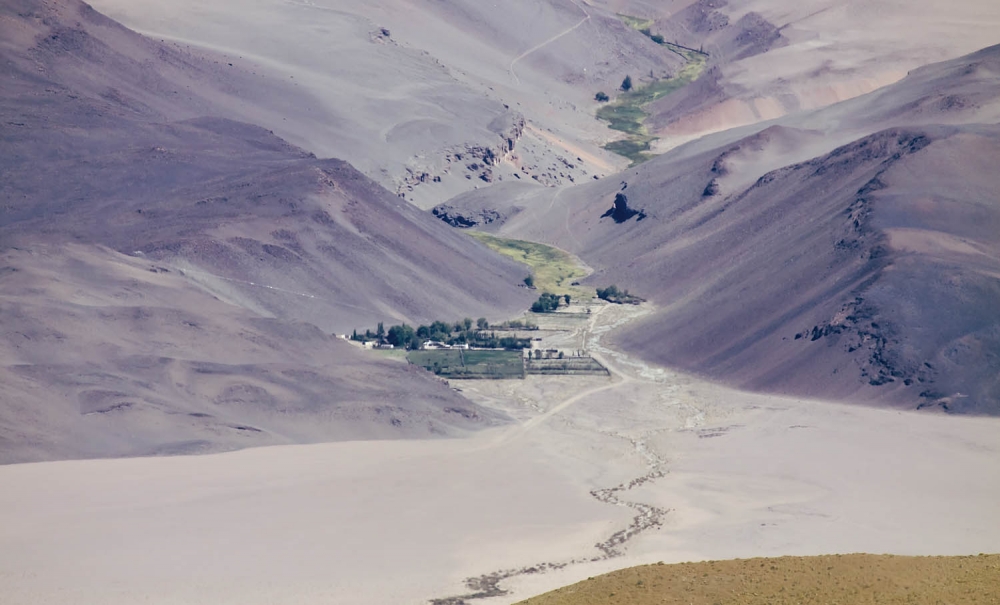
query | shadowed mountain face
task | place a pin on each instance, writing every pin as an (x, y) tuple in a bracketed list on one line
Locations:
[(870, 272), (165, 266)]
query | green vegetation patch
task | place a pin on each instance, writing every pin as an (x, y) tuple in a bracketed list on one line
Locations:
[(635, 148), (854, 579), (645, 27), (624, 115), (470, 363), (548, 302), (619, 297), (636, 22), (465, 332), (553, 270), (393, 354), (628, 113)]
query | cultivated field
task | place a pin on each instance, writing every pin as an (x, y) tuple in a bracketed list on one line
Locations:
[(470, 363), (574, 366)]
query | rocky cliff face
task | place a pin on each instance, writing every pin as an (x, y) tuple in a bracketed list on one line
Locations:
[(474, 160), (463, 219)]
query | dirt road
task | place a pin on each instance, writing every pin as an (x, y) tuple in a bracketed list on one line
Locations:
[(542, 45), (646, 516)]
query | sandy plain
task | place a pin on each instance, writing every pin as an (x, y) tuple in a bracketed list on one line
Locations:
[(595, 474)]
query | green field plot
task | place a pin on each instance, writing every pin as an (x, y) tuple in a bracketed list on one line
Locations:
[(553, 269), (459, 363), (635, 148), (393, 354)]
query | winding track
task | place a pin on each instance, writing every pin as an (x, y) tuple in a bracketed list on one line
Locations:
[(537, 47), (617, 380), (646, 516)]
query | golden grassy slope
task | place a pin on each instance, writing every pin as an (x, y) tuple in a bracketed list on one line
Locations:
[(554, 270), (824, 580)]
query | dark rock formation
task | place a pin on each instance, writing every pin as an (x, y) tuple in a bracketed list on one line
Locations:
[(463, 219), (711, 189), (476, 160), (620, 212)]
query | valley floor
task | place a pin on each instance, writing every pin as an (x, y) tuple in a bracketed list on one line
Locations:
[(595, 474)]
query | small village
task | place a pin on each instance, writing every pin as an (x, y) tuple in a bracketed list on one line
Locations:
[(547, 341)]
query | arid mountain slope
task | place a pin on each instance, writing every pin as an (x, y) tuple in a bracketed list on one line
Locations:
[(106, 355), (819, 52), (90, 163), (413, 93), (171, 275), (409, 91), (868, 272)]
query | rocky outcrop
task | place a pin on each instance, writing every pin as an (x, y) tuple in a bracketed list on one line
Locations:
[(873, 341), (703, 17), (510, 126), (463, 219), (620, 212), (381, 36), (475, 160), (711, 189)]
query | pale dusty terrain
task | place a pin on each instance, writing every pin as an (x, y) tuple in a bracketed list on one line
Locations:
[(171, 279), (730, 475)]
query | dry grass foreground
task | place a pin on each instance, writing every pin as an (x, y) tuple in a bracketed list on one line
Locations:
[(823, 580)]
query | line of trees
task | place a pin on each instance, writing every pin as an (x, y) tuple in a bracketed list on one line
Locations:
[(622, 297), (474, 333), (659, 39), (547, 302)]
